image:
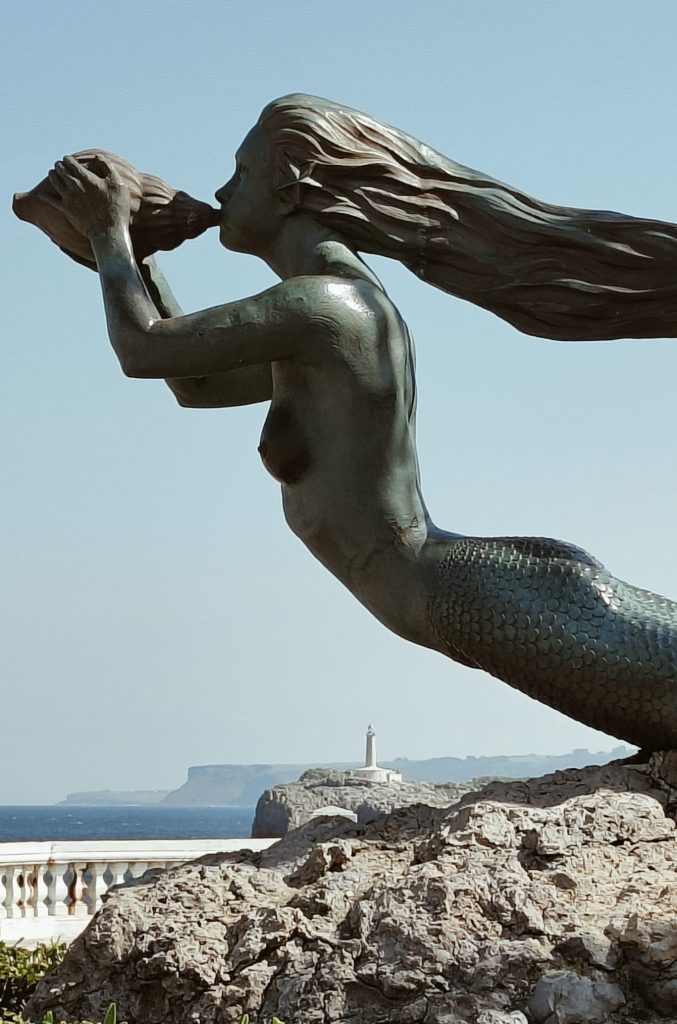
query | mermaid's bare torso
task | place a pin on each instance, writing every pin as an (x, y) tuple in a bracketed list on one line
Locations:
[(540, 614)]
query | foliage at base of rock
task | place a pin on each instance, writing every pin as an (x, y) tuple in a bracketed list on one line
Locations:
[(20, 971)]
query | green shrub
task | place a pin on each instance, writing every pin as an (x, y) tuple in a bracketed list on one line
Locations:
[(16, 1018), (21, 970)]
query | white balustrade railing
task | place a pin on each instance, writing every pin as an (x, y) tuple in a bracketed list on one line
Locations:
[(50, 890)]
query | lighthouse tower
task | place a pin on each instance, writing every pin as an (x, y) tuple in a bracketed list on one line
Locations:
[(370, 770), (370, 757)]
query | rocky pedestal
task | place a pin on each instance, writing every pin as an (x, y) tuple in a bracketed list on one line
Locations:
[(290, 805), (552, 901)]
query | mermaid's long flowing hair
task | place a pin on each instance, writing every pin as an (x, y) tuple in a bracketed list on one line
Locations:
[(551, 271)]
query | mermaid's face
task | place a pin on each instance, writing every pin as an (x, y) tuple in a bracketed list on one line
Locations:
[(251, 212)]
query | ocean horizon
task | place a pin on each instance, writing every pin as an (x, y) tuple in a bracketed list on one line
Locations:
[(36, 823)]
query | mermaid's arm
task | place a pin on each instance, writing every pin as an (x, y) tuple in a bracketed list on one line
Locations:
[(244, 386), (274, 325), (158, 289), (236, 337)]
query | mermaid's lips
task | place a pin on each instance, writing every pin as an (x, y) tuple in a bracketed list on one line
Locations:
[(161, 217)]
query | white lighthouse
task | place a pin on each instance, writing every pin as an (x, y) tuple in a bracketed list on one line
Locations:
[(370, 757), (370, 770)]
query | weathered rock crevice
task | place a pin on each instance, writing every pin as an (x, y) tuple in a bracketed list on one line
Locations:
[(551, 901)]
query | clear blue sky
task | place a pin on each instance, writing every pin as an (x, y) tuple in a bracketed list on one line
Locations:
[(157, 612)]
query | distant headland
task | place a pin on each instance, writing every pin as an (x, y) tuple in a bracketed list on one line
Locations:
[(240, 785)]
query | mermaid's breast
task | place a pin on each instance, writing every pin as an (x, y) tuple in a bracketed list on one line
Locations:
[(284, 449)]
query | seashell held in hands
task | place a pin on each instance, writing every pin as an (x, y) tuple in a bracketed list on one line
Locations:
[(161, 217)]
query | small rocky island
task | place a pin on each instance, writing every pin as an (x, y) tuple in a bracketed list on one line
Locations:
[(320, 792), (548, 901), (361, 794)]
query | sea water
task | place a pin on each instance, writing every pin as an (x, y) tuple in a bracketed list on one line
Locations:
[(68, 822)]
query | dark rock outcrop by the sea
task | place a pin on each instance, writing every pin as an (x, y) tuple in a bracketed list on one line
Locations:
[(289, 805), (552, 901)]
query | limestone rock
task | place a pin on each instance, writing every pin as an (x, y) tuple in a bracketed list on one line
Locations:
[(563, 997), (548, 902), (289, 805)]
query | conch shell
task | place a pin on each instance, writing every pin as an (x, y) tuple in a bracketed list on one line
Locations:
[(161, 217)]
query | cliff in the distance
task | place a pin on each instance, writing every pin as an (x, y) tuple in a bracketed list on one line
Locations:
[(233, 784), (242, 784)]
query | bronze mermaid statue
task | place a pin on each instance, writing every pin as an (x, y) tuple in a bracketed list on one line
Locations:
[(315, 184)]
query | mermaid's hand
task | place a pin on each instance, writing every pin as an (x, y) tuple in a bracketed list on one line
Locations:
[(94, 201)]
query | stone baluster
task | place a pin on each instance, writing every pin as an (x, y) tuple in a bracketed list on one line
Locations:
[(4, 879), (136, 869), (30, 890), (78, 906), (9, 892), (48, 877), (87, 896), (118, 869), (59, 895), (40, 891), (98, 885), (64, 889), (23, 894)]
